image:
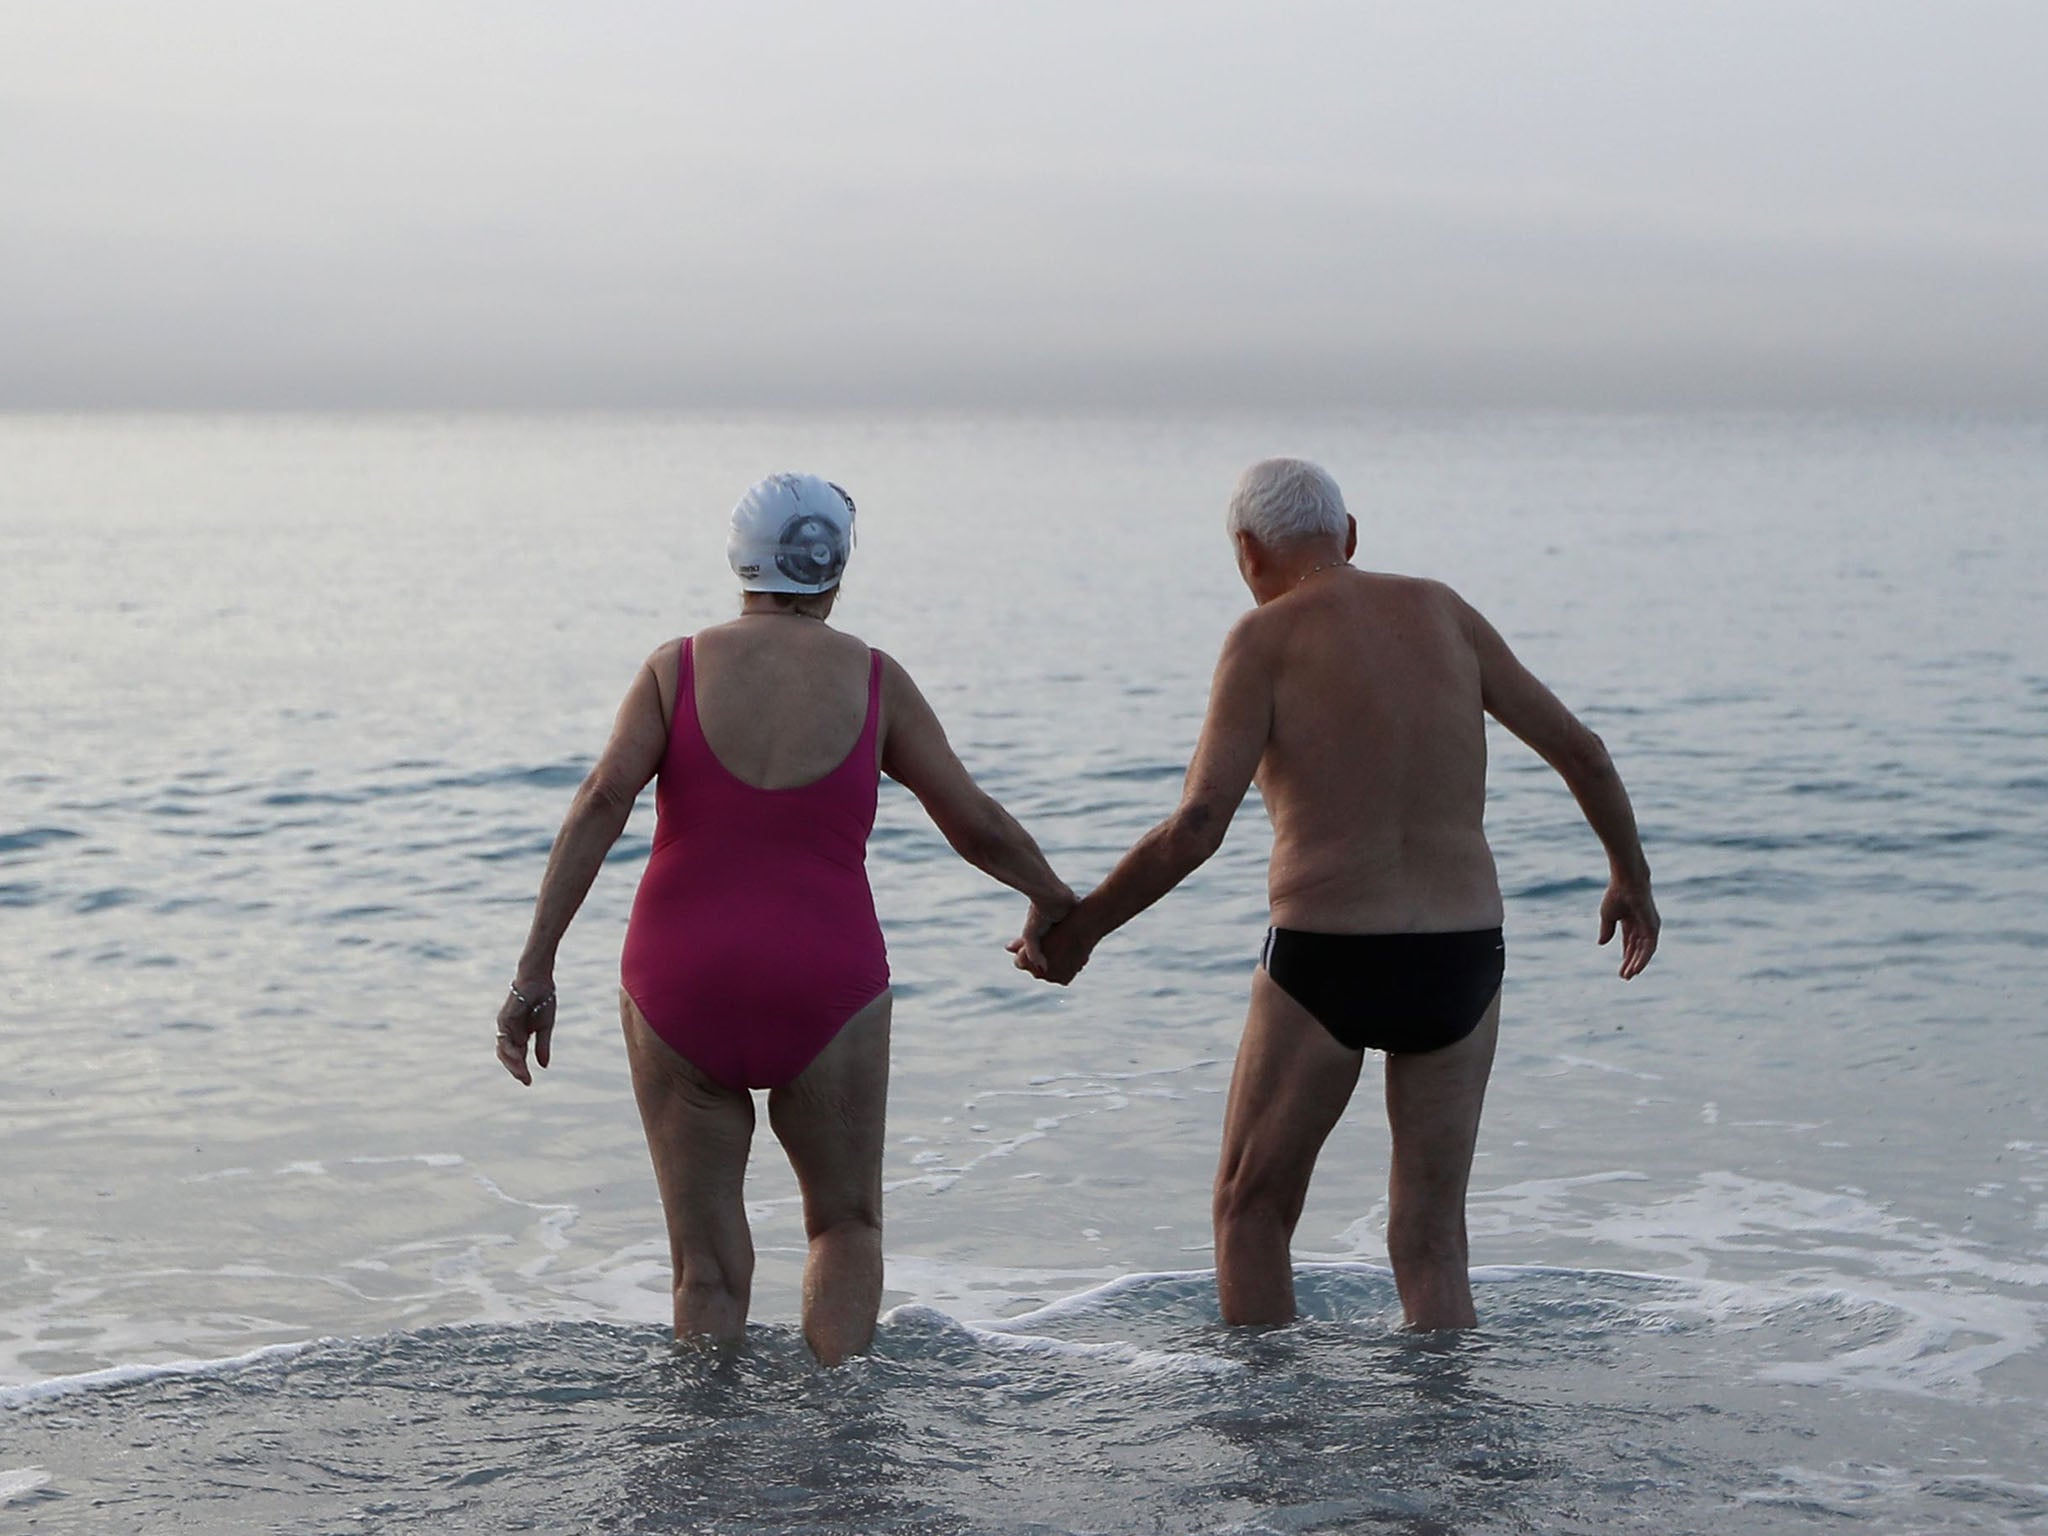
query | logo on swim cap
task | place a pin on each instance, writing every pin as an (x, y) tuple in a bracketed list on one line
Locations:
[(791, 533), (811, 550)]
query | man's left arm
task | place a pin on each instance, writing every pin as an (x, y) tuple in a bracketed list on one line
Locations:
[(1234, 736)]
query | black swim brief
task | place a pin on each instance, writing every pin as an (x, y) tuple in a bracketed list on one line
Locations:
[(1394, 992)]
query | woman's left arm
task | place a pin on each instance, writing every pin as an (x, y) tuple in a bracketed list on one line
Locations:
[(603, 804)]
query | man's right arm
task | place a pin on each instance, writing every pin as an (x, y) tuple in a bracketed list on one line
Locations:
[(1515, 697)]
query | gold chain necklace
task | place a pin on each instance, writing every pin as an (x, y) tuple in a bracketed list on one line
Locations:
[(1320, 565)]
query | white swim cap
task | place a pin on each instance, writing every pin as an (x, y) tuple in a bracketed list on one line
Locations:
[(791, 533)]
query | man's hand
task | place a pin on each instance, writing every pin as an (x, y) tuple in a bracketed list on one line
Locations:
[(1629, 905)]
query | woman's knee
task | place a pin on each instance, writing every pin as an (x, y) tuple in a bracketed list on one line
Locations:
[(709, 1275), (1426, 1238), (856, 1220)]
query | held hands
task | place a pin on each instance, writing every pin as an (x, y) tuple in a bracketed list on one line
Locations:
[(528, 1014), (1629, 905), (1051, 946)]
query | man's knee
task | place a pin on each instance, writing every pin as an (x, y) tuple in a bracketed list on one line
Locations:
[(1246, 1191)]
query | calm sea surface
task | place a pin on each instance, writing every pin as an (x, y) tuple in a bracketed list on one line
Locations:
[(290, 709)]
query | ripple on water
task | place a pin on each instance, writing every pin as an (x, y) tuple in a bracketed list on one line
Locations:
[(1122, 1408), (1817, 761), (105, 900), (29, 839)]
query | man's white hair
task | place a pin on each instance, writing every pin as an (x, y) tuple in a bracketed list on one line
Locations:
[(1280, 501)]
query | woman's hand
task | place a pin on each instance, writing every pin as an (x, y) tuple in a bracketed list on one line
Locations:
[(528, 1014), (1037, 921)]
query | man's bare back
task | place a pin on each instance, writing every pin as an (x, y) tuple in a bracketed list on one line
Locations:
[(1357, 701), (1374, 771)]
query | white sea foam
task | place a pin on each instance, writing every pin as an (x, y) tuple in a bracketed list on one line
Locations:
[(17, 1482), (949, 1174), (424, 1159), (1875, 1302), (124, 1375), (1569, 1063), (1008, 1338), (966, 1288), (1096, 1299), (1875, 1490), (1922, 1310)]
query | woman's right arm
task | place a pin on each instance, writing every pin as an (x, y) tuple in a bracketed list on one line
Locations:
[(916, 754), (598, 814)]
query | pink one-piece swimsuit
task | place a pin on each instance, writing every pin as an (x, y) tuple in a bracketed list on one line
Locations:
[(753, 937)]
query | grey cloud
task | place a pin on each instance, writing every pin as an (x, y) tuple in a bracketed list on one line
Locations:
[(802, 203)]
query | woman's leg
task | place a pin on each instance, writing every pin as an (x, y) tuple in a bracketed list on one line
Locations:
[(698, 1134), (830, 1122)]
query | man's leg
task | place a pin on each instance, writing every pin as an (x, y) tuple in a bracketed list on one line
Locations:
[(1433, 1103), (698, 1134), (1289, 1088), (830, 1121)]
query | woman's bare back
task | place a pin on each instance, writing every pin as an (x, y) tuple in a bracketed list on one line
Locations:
[(781, 698)]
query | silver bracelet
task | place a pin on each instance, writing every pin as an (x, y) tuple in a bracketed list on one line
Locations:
[(531, 1005)]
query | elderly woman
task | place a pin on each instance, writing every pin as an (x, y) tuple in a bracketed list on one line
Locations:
[(753, 958)]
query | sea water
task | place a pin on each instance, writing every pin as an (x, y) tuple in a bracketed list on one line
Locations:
[(290, 708)]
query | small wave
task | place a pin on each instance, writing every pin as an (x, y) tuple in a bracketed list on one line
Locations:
[(31, 838), (524, 843), (297, 795), (911, 1331), (130, 1375), (107, 899), (1855, 790), (1546, 890), (1141, 773), (364, 912), (562, 775), (20, 1482)]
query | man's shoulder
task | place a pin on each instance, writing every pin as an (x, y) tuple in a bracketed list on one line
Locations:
[(1426, 588), (1435, 596)]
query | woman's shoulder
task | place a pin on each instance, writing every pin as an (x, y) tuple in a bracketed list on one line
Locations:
[(847, 643), (893, 671), (663, 664)]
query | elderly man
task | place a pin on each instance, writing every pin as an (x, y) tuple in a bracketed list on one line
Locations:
[(1356, 701)]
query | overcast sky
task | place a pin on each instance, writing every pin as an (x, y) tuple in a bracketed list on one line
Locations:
[(1066, 202)]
